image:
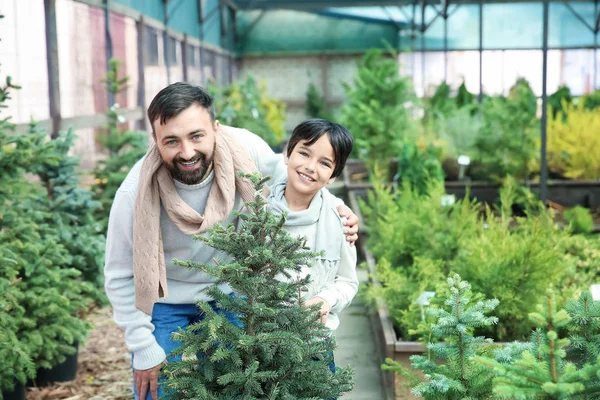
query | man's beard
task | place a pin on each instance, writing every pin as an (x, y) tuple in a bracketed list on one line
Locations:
[(189, 177)]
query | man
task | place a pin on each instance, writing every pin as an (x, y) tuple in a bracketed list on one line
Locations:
[(186, 183)]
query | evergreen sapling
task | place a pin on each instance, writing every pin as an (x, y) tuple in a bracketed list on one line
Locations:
[(281, 351), (450, 372), (124, 148), (584, 334), (72, 210), (543, 370)]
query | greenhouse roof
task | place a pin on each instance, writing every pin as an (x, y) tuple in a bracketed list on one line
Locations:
[(321, 4), (506, 25)]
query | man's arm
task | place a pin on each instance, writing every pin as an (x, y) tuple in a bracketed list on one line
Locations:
[(119, 285)]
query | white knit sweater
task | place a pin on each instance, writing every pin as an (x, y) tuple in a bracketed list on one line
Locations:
[(185, 286)]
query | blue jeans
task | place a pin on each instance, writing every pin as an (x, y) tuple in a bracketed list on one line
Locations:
[(168, 318)]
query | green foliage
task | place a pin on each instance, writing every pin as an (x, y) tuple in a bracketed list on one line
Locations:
[(559, 99), (450, 372), (464, 98), (579, 219), (72, 211), (574, 143), (245, 104), (514, 265), (417, 242), (591, 101), (506, 144), (543, 371), (440, 104), (415, 239), (42, 295), (124, 149), (16, 358), (281, 351), (584, 330), (315, 104), (418, 167), (457, 133), (376, 111), (583, 253)]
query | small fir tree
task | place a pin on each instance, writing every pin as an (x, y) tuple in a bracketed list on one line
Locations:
[(124, 149), (72, 210), (419, 165), (449, 370), (315, 103), (584, 334), (376, 111), (41, 299), (543, 371), (281, 351), (506, 143)]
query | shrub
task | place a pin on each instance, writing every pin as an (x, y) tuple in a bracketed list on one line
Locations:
[(376, 112), (124, 149), (315, 104), (559, 100), (591, 101), (458, 132), (245, 104), (449, 370), (73, 212), (579, 219), (574, 143), (543, 370), (419, 165), (507, 141), (43, 296), (417, 242)]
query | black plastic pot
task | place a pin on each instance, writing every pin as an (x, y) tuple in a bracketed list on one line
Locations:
[(63, 372), (18, 393)]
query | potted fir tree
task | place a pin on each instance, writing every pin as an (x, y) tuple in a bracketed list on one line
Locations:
[(281, 351)]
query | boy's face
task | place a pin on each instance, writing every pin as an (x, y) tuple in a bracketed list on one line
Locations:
[(186, 144), (310, 168)]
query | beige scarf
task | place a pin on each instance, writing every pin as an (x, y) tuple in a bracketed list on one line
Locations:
[(155, 186)]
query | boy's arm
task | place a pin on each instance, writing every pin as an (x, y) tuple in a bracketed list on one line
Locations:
[(340, 293)]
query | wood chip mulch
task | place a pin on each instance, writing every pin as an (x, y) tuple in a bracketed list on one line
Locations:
[(104, 370)]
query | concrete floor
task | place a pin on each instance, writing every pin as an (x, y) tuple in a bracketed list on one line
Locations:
[(357, 347)]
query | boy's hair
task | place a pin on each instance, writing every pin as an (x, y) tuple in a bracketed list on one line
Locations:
[(176, 98), (340, 137)]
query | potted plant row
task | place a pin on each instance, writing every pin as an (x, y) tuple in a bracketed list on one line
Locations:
[(417, 240)]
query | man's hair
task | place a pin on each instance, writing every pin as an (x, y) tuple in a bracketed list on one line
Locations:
[(340, 137), (177, 97)]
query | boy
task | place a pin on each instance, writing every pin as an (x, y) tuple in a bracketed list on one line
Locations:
[(316, 154)]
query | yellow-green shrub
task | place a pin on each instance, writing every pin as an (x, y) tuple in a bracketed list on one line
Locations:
[(574, 143)]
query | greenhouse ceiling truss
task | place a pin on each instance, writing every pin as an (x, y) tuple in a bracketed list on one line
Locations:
[(443, 9)]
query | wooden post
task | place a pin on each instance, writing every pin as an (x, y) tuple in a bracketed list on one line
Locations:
[(184, 57), (141, 92), (108, 47), (325, 79), (52, 64)]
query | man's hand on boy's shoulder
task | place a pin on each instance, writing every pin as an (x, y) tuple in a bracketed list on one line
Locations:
[(350, 222)]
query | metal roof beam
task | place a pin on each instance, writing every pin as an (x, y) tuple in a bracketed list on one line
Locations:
[(578, 16), (320, 4)]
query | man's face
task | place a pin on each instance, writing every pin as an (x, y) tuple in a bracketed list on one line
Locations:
[(186, 144)]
